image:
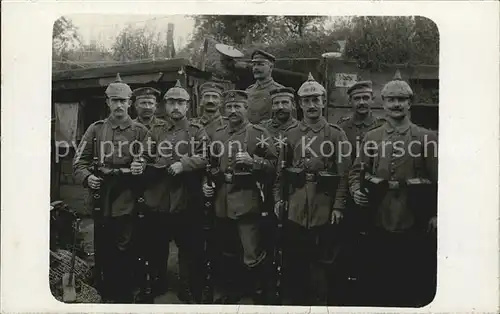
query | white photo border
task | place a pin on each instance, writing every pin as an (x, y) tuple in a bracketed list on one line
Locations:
[(468, 160)]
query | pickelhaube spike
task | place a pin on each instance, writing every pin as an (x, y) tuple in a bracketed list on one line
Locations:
[(397, 76), (118, 88), (310, 77), (118, 79), (177, 92), (397, 87)]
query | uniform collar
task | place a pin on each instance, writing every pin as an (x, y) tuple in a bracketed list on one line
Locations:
[(367, 121), (205, 119), (239, 128), (181, 124), (152, 121), (278, 125), (315, 127), (400, 129), (264, 84), (122, 124)]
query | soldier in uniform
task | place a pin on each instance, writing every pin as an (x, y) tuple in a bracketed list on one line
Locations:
[(177, 145), (361, 120), (317, 172), (259, 102), (355, 126), (283, 105), (211, 99), (145, 100), (246, 155), (115, 136), (402, 257)]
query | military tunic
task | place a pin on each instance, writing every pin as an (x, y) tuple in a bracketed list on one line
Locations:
[(356, 130), (390, 163), (311, 205), (164, 138), (115, 140), (259, 100), (231, 201)]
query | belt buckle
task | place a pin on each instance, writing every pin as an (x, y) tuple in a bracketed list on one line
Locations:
[(393, 185), (228, 177), (310, 177)]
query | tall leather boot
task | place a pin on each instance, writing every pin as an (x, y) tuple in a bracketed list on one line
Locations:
[(262, 277), (231, 292)]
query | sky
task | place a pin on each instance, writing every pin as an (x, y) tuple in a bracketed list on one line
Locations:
[(104, 28)]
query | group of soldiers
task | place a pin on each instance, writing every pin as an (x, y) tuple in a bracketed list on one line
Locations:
[(291, 219)]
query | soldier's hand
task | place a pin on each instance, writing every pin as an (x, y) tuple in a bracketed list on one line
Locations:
[(175, 168), (137, 167), (360, 197), (432, 226), (208, 190), (337, 216), (244, 158), (94, 182)]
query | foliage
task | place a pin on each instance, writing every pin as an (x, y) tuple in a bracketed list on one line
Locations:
[(376, 41), (65, 39), (140, 44), (372, 41)]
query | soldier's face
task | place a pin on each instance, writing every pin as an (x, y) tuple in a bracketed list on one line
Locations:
[(210, 101), (145, 107), (235, 111), (261, 69), (176, 108), (118, 106), (362, 102), (396, 107), (282, 107), (312, 106)]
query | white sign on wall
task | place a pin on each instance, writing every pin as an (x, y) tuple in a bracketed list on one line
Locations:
[(345, 79)]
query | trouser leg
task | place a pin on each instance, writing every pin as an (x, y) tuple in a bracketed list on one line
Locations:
[(255, 257), (295, 264), (229, 262), (120, 260)]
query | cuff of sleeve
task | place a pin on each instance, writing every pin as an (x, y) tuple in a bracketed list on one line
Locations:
[(86, 180), (258, 163), (355, 187), (185, 163), (339, 204)]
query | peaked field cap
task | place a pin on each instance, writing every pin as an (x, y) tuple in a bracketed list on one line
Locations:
[(283, 91), (259, 55), (211, 87), (360, 87), (177, 92), (397, 87), (146, 92), (228, 51), (118, 89), (235, 95), (311, 88)]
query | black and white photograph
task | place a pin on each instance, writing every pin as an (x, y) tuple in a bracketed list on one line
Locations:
[(244, 159)]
